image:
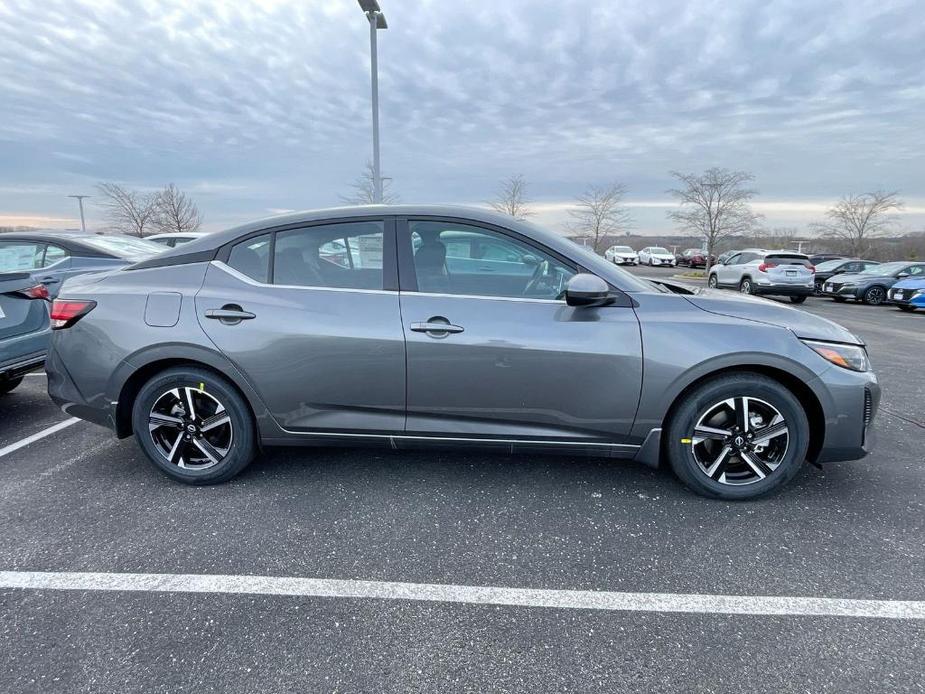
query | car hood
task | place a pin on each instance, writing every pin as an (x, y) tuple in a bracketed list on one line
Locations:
[(910, 284), (802, 324)]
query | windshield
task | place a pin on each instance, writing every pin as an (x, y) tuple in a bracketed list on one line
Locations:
[(125, 246), (885, 269), (830, 265), (623, 249), (658, 249)]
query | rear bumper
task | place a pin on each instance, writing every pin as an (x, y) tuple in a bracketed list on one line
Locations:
[(22, 365), (782, 289), (66, 395)]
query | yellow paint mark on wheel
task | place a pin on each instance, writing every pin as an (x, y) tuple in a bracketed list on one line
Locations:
[(685, 440), (202, 387)]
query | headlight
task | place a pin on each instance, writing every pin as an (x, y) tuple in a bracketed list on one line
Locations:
[(853, 357), (849, 285)]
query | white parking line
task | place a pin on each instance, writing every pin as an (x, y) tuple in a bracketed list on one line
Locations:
[(474, 595), (35, 437)]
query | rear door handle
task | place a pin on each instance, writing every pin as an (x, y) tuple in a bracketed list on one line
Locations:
[(438, 326), (229, 314)]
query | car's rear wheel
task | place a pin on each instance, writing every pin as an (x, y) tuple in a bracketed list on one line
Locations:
[(8, 384), (712, 282), (737, 437), (745, 286), (797, 299), (194, 426), (874, 296)]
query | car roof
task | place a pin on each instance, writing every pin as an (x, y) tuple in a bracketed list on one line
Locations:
[(175, 234), (72, 241), (204, 247)]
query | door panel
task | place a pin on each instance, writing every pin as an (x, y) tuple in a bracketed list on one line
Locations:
[(521, 368)]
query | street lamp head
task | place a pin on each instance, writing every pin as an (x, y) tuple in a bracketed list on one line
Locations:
[(372, 10), (369, 6)]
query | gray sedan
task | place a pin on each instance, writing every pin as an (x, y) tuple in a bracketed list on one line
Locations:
[(410, 326)]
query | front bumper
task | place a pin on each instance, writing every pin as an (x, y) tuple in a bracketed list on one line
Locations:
[(850, 414), (656, 261), (905, 297), (830, 290)]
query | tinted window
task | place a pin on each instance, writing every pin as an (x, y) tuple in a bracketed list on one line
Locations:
[(915, 270), (734, 259), (252, 258), (347, 255), (20, 255), (452, 258)]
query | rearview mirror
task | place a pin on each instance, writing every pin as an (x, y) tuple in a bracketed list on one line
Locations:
[(586, 290)]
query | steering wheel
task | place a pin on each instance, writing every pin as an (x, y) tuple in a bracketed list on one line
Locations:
[(539, 274)]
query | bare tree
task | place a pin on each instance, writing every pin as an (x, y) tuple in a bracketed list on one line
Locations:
[(364, 189), (129, 211), (599, 212), (511, 198), (176, 212), (857, 219), (714, 205)]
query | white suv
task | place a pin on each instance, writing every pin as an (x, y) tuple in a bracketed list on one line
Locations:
[(656, 255), (621, 255), (758, 271)]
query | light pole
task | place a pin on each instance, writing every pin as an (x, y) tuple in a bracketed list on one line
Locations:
[(80, 201), (376, 21)]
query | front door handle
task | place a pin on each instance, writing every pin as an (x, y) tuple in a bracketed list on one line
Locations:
[(229, 314), (437, 326), (50, 280)]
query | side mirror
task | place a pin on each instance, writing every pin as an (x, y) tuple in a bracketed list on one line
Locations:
[(586, 290), (902, 275)]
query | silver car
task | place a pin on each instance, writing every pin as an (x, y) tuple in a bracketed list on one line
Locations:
[(410, 326), (774, 273)]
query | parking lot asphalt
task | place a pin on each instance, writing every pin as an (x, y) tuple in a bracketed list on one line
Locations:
[(79, 500)]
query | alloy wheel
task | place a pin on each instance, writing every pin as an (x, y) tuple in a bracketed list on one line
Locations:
[(712, 282), (875, 296), (190, 428), (740, 441), (746, 287)]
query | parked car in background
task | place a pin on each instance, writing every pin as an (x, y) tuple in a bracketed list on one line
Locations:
[(818, 258), (908, 294), (873, 284), (759, 271), (840, 266), (248, 338), (174, 238), (24, 327), (50, 257), (621, 255), (693, 257), (656, 255), (33, 266)]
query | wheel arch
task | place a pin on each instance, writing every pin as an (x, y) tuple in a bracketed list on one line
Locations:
[(132, 376), (815, 413)]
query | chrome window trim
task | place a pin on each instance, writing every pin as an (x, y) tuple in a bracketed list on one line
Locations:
[(249, 280), (526, 300)]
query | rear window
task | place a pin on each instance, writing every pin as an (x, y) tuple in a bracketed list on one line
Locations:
[(124, 246), (788, 259)]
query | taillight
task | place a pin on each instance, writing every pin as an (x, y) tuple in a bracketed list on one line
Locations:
[(39, 291), (65, 312), (764, 267), (811, 268)]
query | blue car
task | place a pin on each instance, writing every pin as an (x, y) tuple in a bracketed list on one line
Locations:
[(909, 294), (33, 266)]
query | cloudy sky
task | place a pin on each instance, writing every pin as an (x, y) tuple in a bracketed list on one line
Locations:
[(257, 106)]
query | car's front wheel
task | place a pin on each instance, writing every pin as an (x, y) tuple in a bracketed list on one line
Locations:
[(737, 437), (8, 384), (797, 299), (194, 426), (712, 282), (874, 296)]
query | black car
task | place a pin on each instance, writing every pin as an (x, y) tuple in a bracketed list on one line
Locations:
[(871, 285), (840, 266), (819, 258)]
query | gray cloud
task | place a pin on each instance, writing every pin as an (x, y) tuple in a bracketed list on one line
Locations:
[(259, 105)]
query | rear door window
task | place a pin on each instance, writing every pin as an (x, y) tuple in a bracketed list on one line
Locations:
[(252, 258), (20, 255), (345, 255)]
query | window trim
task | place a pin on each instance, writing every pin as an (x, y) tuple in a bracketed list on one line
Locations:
[(408, 278), (389, 253)]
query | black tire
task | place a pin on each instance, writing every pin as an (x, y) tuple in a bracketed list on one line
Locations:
[(712, 283), (839, 299), (206, 387), (8, 384), (797, 299), (874, 296), (907, 309), (679, 446), (745, 286)]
